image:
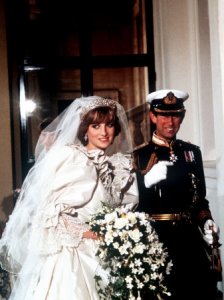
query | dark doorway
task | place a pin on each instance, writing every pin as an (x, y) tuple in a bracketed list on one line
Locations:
[(61, 50)]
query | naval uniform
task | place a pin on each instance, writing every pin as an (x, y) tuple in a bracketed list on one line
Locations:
[(179, 208)]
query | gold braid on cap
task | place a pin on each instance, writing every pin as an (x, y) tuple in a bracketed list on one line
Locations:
[(170, 99), (98, 102), (169, 110)]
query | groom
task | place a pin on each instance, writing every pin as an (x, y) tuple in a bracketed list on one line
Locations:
[(172, 190)]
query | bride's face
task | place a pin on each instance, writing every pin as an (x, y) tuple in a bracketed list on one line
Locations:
[(100, 136)]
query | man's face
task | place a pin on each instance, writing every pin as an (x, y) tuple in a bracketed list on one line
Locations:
[(167, 126)]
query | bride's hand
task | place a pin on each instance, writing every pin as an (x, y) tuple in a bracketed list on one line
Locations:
[(89, 235)]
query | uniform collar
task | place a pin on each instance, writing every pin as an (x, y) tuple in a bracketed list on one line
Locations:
[(161, 142)]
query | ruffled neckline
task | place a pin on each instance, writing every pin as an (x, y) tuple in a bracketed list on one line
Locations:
[(97, 156), (103, 167), (113, 171)]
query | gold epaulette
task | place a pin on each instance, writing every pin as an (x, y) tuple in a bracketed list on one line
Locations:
[(152, 161)]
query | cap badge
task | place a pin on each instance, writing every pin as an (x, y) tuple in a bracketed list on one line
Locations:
[(170, 99)]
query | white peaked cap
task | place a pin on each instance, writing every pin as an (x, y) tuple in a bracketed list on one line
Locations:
[(160, 94)]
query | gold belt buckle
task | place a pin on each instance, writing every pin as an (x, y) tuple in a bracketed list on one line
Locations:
[(166, 217)]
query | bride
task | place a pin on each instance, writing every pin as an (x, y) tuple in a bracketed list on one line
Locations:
[(47, 242)]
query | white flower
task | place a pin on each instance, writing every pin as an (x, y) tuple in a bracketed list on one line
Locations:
[(135, 270), (123, 250), (132, 217), (110, 217), (154, 275), (135, 235), (130, 286), (128, 245), (116, 245), (139, 248), (128, 279), (108, 238), (120, 223), (141, 270), (138, 262), (140, 285), (115, 234), (154, 267)]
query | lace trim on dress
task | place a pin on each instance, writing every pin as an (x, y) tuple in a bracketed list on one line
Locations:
[(70, 233), (123, 173)]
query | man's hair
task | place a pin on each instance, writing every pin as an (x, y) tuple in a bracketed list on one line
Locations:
[(180, 114)]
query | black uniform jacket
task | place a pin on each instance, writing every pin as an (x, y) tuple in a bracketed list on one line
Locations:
[(183, 191)]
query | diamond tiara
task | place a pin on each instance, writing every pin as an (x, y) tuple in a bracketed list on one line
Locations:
[(98, 102)]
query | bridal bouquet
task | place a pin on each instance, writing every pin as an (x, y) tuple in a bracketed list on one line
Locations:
[(131, 257)]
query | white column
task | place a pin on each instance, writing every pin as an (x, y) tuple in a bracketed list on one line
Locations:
[(216, 20)]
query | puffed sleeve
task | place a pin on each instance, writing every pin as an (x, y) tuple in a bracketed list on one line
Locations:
[(71, 186)]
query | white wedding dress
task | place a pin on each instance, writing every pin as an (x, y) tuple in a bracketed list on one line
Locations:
[(60, 264)]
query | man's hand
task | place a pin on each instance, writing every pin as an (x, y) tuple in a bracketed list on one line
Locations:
[(157, 173), (209, 229)]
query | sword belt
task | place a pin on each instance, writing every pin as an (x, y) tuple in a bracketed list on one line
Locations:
[(170, 217)]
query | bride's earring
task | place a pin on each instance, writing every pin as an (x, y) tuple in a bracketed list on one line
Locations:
[(86, 138)]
